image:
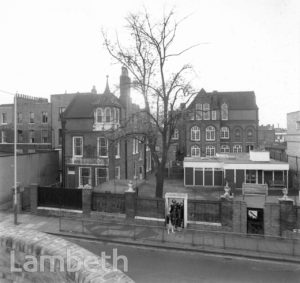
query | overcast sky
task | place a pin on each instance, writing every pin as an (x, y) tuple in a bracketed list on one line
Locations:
[(49, 47)]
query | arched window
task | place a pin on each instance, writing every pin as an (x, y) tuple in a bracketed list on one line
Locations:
[(237, 148), (206, 111), (107, 115), (224, 133), (237, 134), (175, 135), (195, 133), (117, 112), (210, 133), (225, 148), (198, 111), (250, 133), (210, 150), (195, 151), (113, 115), (224, 111), (99, 115)]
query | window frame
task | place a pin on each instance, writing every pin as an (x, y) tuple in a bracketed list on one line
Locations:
[(224, 146), (214, 115), (106, 116), (99, 147), (117, 150), (224, 112), (195, 131), (80, 176), (210, 148), (237, 146), (73, 146), (135, 146), (118, 176), (198, 108), (195, 148), (208, 131), (224, 133), (206, 111), (31, 117), (175, 135), (44, 115), (96, 175), (4, 117)]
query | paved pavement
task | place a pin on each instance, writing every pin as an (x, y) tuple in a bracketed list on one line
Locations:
[(122, 232)]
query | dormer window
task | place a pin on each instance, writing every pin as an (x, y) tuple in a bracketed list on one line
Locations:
[(106, 118), (108, 115), (100, 117)]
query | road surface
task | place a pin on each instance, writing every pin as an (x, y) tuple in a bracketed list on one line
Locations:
[(157, 265)]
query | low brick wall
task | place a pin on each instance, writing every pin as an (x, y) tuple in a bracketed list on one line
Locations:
[(17, 244)]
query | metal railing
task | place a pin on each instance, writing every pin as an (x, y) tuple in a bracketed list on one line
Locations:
[(192, 238)]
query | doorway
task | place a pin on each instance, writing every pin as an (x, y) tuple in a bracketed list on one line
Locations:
[(255, 221), (177, 201)]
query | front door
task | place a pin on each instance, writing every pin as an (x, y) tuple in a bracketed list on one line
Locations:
[(255, 221)]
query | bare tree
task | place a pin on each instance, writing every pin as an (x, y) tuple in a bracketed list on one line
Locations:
[(149, 56)]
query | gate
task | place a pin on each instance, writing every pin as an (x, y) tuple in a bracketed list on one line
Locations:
[(255, 221)]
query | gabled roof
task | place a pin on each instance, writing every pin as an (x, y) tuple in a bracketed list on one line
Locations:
[(83, 105), (243, 100)]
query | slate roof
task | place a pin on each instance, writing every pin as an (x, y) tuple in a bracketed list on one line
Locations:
[(243, 100), (83, 105)]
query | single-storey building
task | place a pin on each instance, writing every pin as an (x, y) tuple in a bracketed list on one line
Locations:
[(255, 167)]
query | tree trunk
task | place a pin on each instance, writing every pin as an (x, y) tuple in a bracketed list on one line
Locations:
[(159, 183)]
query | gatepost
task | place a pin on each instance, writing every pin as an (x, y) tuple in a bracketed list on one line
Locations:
[(130, 199)]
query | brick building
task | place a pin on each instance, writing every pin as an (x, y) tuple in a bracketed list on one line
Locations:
[(266, 136), (95, 148), (33, 125), (218, 122)]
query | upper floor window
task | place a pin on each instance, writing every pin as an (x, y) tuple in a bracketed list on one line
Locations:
[(195, 151), (45, 138), (61, 110), (237, 134), (250, 133), (135, 146), (237, 148), (99, 115), (44, 117), (206, 111), (4, 118), (198, 111), (224, 133), (175, 134), (214, 115), (225, 148), (210, 133), (20, 117), (31, 117), (31, 136), (85, 176), (20, 136), (210, 150), (195, 133), (224, 111), (108, 115), (77, 146), (102, 147), (117, 115)]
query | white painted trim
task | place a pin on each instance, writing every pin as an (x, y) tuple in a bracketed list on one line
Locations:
[(205, 223), (149, 218), (59, 209)]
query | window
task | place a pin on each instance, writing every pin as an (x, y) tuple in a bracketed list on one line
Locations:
[(117, 150), (117, 113), (44, 117), (101, 175), (224, 133), (31, 117), (195, 133), (4, 118), (214, 115), (117, 173), (225, 148), (99, 115), (77, 146), (175, 135), (297, 125), (206, 112), (45, 137), (135, 144), (71, 170), (85, 176), (237, 148), (210, 150), (198, 111), (3, 137), (210, 133), (250, 133), (108, 115), (61, 110), (251, 176), (31, 136), (20, 117), (102, 147), (148, 162), (224, 111), (237, 134), (195, 151)]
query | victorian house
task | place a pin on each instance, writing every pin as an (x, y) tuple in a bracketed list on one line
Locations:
[(218, 122), (95, 146)]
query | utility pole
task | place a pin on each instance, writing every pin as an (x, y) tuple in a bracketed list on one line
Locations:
[(15, 164)]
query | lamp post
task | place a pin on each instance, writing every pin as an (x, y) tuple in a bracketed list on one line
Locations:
[(15, 163)]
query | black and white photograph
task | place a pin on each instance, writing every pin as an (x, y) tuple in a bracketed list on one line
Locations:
[(149, 141)]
